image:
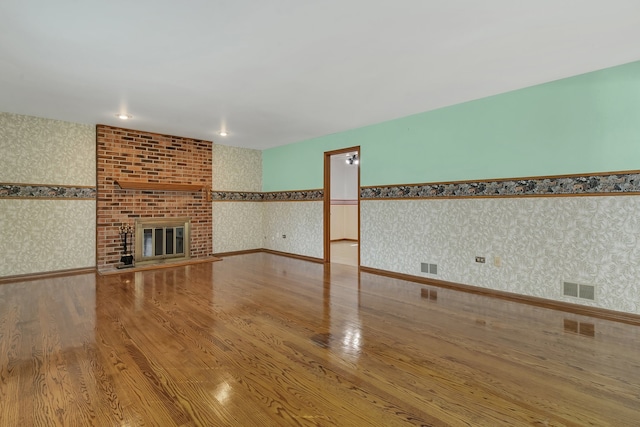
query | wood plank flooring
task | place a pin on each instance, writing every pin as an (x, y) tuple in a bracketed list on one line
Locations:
[(262, 340)]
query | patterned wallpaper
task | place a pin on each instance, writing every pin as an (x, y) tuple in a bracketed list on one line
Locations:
[(43, 151), (244, 225), (541, 242), (237, 175), (37, 234), (236, 169), (237, 226), (46, 235), (301, 222)]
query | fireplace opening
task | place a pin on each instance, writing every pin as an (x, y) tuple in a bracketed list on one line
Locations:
[(162, 239)]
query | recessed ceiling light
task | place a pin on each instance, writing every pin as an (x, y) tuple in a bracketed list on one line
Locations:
[(223, 133), (124, 116)]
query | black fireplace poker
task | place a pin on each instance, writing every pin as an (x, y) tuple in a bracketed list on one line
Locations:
[(127, 258)]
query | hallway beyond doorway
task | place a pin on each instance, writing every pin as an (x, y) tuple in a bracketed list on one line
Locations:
[(344, 252)]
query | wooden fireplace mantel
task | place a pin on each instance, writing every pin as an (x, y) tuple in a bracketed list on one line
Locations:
[(158, 186)]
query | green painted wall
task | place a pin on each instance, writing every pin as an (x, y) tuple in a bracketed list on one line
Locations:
[(587, 123)]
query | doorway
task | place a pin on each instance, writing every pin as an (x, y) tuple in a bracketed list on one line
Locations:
[(342, 206)]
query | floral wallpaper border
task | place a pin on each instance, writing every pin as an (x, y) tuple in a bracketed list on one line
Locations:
[(28, 191), (236, 196), (302, 195), (613, 183), (276, 196), (33, 191)]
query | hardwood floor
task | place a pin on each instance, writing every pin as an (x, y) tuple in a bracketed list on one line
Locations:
[(262, 340)]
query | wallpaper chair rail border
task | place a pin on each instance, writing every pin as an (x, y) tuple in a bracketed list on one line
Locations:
[(312, 195), (594, 184), (46, 191), (611, 183)]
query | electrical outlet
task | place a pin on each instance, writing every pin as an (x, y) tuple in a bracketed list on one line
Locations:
[(497, 261), (480, 259), (284, 236)]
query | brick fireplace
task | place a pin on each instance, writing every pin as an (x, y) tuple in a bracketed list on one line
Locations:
[(148, 175)]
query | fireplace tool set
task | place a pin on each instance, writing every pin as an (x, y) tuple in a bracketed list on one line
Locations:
[(126, 235)]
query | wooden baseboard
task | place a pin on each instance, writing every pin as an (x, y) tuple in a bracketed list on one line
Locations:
[(159, 266), (271, 251), (233, 253), (296, 256), (46, 275), (600, 313)]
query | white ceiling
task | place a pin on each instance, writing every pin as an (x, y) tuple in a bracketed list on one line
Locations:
[(281, 71)]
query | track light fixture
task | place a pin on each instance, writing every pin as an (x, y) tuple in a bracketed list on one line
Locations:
[(353, 160)]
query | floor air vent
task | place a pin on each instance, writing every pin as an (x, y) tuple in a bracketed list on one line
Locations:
[(587, 292), (570, 289), (579, 291)]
